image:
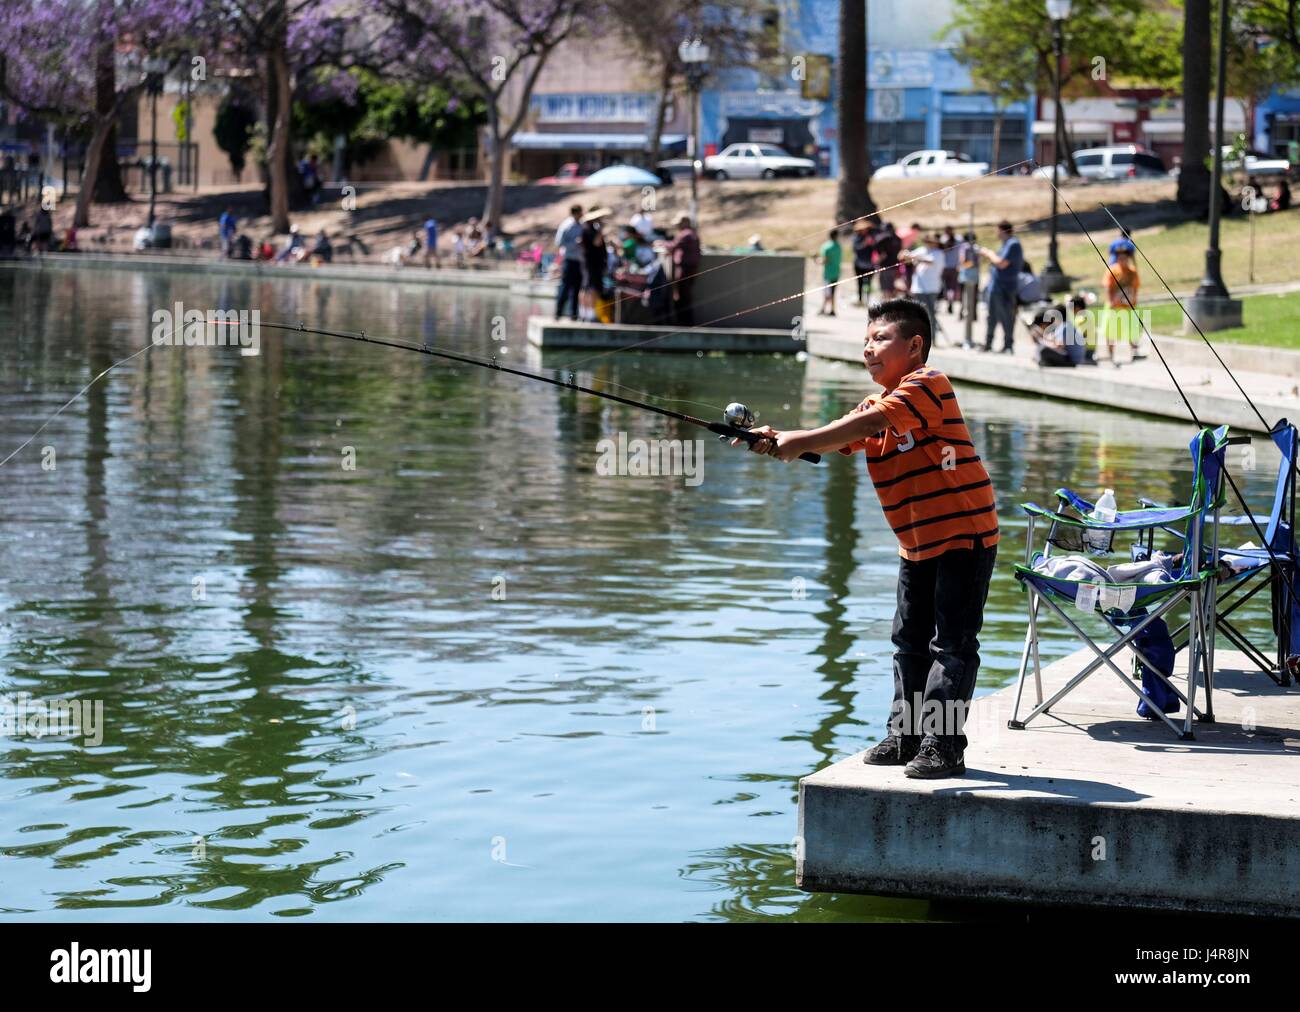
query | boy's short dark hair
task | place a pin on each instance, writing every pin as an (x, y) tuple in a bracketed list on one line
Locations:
[(575, 210), (911, 317), (835, 235), (1006, 226)]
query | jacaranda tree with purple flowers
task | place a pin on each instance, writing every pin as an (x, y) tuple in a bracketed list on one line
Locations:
[(81, 62), (492, 49)]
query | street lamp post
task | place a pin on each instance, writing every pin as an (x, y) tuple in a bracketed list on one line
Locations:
[(694, 54), (1053, 279), (154, 68), (1212, 308)]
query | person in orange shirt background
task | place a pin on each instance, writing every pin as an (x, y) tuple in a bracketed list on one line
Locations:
[(1121, 280)]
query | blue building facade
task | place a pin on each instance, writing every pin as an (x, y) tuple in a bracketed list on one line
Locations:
[(1277, 124), (918, 95)]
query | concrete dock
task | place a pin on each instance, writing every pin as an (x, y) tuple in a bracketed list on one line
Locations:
[(549, 334), (1270, 375), (1091, 807)]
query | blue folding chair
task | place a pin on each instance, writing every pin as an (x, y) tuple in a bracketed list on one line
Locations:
[(1136, 605), (1274, 566)]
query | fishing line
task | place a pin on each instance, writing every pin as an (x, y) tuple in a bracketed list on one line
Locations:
[(1250, 516), (862, 217), (75, 397), (765, 305), (1191, 319)]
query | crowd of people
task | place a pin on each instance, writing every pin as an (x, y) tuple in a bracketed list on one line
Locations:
[(940, 269), (603, 266), (932, 267)]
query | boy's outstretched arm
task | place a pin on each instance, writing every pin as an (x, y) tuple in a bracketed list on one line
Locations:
[(790, 444)]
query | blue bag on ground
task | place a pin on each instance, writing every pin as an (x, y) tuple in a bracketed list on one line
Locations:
[(1158, 647)]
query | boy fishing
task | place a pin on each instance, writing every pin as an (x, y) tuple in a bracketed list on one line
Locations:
[(937, 497)]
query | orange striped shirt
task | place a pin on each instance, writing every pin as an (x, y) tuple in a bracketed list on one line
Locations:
[(930, 481)]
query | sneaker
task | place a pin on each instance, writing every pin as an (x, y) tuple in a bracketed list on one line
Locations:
[(893, 751), (934, 762)]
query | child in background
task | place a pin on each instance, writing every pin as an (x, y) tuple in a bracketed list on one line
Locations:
[(830, 256)]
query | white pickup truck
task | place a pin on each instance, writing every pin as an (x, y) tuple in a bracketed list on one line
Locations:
[(932, 165)]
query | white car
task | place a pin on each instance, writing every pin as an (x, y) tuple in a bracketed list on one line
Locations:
[(932, 165), (1258, 165), (756, 161), (1124, 161)]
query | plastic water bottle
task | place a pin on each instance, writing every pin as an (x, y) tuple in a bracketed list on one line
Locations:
[(1105, 508), (1104, 511)]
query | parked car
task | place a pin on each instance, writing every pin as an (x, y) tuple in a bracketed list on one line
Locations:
[(1126, 161), (932, 165), (675, 168), (567, 176), (1258, 165), (756, 161)]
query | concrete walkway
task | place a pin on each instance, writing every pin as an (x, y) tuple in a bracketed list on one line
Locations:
[(1270, 376), (1090, 805)]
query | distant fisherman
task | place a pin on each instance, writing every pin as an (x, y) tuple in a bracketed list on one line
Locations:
[(937, 496)]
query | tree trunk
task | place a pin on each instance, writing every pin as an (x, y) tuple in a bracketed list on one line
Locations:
[(1065, 150), (1193, 176), (853, 200), (496, 176), (94, 156), (278, 149), (108, 187), (665, 94)]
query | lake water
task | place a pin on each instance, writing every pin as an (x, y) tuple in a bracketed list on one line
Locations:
[(470, 677)]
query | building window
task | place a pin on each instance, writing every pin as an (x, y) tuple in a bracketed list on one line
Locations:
[(890, 142), (973, 136)]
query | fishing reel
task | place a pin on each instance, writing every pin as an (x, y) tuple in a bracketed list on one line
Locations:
[(738, 416)]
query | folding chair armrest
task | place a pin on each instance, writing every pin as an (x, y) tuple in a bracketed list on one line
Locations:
[(1034, 510), (1150, 504), (1075, 501)]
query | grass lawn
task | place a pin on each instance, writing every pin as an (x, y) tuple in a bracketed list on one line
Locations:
[(1178, 252), (1269, 319)]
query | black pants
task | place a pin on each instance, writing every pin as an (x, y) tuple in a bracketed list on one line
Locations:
[(936, 649), (684, 301), (570, 285), (1050, 357), (1002, 313), (863, 271)]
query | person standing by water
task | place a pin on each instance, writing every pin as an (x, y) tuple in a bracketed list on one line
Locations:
[(42, 230), (431, 243), (927, 277), (568, 240), (864, 248), (968, 278), (830, 256), (888, 247), (937, 496), (593, 260), (685, 251), (226, 228), (1003, 286), (1122, 284), (951, 264)]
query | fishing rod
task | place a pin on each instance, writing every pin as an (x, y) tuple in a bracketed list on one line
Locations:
[(738, 419), (1279, 569)]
